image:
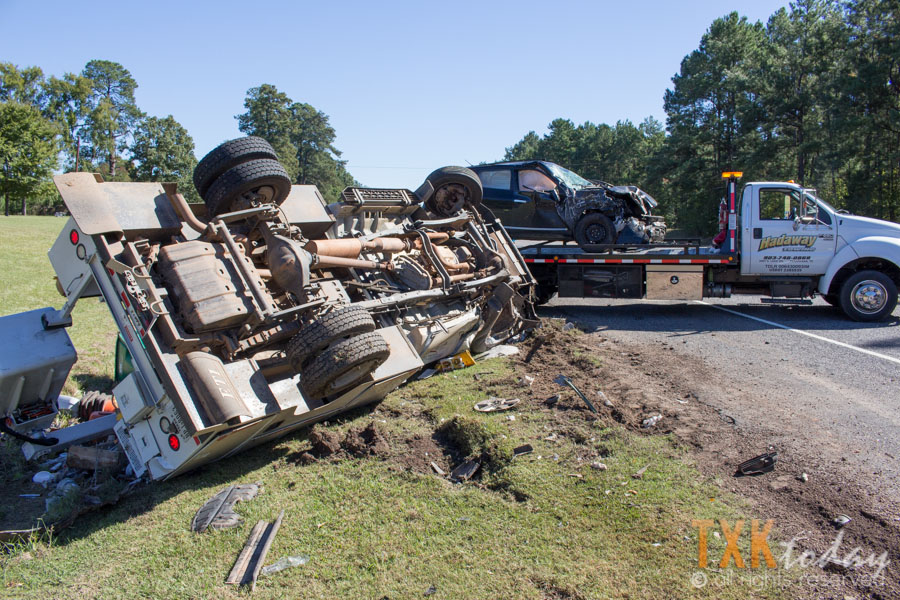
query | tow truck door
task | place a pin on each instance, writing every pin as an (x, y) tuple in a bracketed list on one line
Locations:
[(790, 234)]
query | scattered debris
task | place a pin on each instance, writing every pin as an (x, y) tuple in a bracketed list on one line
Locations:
[(576, 475), (527, 380), (840, 520), (465, 471), (437, 469), (431, 590), (757, 465), (651, 421), (565, 381), (43, 478), (551, 438), (632, 492), (92, 458), (568, 326), (552, 400), (218, 511), (511, 417), (523, 449), (493, 404), (498, 351), (250, 561), (426, 374), (460, 361), (598, 466), (606, 401), (803, 477), (640, 472), (285, 563)]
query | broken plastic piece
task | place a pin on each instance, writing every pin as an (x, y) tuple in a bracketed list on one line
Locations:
[(651, 421), (757, 465), (218, 511), (523, 449), (465, 471), (284, 563), (494, 404)]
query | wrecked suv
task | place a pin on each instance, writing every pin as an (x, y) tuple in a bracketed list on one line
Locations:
[(540, 200), (266, 309)]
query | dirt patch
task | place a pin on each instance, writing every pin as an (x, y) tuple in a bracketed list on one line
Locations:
[(639, 382), (366, 441), (414, 453)]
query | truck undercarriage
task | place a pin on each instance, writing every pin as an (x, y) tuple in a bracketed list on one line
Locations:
[(272, 310)]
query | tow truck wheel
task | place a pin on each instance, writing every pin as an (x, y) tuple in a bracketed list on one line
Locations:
[(344, 364), (595, 228), (228, 155), (868, 296), (455, 188), (263, 176), (329, 328)]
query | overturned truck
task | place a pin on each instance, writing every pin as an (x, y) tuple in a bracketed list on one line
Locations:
[(265, 309)]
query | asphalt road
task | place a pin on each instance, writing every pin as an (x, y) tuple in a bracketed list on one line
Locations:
[(827, 386)]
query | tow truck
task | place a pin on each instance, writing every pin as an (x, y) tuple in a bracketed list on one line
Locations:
[(781, 240)]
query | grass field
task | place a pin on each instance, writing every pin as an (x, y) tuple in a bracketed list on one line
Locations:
[(542, 525)]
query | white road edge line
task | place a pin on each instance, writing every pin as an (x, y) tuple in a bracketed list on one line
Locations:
[(801, 332)]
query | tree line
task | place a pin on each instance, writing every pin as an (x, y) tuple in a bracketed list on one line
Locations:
[(90, 121), (811, 96)]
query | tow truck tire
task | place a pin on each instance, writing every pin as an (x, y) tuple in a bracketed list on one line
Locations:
[(337, 325), (832, 299), (868, 296), (228, 155), (594, 228), (263, 175), (461, 180), (344, 365)]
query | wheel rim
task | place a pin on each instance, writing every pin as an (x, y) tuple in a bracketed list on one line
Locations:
[(596, 234), (352, 375), (868, 296)]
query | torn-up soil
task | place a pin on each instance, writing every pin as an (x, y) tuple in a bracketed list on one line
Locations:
[(643, 381)]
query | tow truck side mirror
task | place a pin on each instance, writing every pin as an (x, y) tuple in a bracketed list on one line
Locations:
[(798, 221)]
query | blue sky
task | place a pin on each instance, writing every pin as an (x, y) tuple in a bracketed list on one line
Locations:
[(409, 86)]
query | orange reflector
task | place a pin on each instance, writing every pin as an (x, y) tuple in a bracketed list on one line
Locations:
[(174, 442), (728, 174)]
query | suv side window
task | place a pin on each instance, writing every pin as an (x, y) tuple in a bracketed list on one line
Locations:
[(532, 179), (777, 205), (496, 179)]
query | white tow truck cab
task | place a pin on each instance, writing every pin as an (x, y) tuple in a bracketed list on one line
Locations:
[(781, 240)]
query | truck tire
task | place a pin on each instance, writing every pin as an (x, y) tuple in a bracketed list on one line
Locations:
[(868, 296), (594, 228), (832, 299), (343, 365), (337, 325), (228, 155), (454, 189), (263, 175)]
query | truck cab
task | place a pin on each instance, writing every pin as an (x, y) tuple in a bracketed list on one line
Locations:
[(788, 235)]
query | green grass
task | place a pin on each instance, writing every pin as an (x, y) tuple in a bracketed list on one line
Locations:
[(523, 528)]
